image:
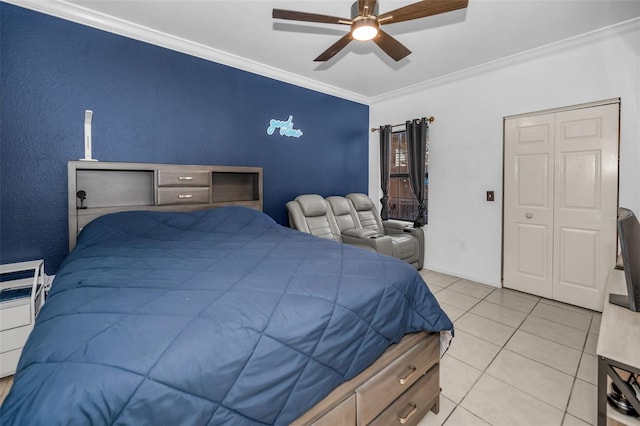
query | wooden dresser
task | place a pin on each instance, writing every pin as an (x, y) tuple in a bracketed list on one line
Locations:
[(98, 188)]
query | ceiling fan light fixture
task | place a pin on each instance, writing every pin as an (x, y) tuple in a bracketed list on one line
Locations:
[(364, 28)]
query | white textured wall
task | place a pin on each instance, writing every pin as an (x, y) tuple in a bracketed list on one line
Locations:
[(467, 137)]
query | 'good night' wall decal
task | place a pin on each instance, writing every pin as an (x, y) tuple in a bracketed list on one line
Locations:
[(286, 128)]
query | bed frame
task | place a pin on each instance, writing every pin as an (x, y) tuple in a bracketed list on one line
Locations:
[(400, 387)]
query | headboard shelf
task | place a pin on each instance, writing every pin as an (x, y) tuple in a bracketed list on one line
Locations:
[(99, 188), (233, 186)]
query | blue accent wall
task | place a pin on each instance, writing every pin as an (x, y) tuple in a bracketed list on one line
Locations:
[(153, 105)]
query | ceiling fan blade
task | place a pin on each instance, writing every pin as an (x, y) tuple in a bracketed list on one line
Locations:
[(334, 49), (309, 17), (421, 9), (368, 5), (391, 46)]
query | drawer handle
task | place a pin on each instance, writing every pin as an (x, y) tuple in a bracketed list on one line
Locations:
[(185, 177), (183, 196), (405, 378), (409, 411)]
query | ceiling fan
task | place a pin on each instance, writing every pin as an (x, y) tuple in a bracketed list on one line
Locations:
[(366, 23)]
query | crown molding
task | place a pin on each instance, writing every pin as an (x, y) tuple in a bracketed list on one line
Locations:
[(619, 29), (81, 15)]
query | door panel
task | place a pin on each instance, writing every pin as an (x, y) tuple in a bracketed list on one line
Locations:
[(528, 212), (532, 175), (580, 180), (586, 199), (577, 257), (533, 241), (577, 129)]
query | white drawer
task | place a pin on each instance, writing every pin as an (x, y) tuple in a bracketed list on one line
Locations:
[(9, 362), (15, 316), (14, 338)]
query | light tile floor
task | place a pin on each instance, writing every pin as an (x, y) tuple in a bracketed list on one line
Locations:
[(516, 359)]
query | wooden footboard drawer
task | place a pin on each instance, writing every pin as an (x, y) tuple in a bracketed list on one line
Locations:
[(395, 379), (167, 196), (414, 404)]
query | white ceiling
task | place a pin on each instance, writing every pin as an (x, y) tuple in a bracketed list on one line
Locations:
[(243, 34)]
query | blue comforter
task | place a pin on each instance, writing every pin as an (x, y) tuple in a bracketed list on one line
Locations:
[(213, 317)]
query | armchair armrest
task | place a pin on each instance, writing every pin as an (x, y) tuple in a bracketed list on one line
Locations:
[(380, 243), (360, 233), (396, 227)]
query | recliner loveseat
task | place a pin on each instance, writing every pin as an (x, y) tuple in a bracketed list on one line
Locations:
[(354, 220), (312, 214)]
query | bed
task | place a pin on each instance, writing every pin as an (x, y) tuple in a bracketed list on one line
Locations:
[(222, 316)]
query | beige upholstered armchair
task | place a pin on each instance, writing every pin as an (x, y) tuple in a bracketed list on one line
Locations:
[(407, 241)]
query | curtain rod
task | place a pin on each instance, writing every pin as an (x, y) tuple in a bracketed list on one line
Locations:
[(430, 120)]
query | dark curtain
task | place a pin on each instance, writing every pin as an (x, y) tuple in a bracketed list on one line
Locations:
[(385, 136), (417, 135)]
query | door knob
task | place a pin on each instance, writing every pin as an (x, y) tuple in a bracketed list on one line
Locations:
[(528, 215)]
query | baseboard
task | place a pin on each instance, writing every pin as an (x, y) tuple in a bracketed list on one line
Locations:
[(481, 280)]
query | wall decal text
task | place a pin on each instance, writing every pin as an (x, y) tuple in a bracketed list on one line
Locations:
[(286, 128)]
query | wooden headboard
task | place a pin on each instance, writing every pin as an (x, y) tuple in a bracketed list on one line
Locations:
[(99, 188)]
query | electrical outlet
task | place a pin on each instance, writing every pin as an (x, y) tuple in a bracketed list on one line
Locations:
[(462, 245)]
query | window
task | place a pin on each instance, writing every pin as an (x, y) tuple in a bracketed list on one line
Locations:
[(402, 203)]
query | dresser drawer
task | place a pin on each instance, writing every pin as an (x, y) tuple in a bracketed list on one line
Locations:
[(14, 338), (414, 404), (16, 315), (167, 196), (383, 388), (9, 362), (183, 178)]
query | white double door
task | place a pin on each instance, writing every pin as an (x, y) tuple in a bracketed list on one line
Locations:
[(560, 203)]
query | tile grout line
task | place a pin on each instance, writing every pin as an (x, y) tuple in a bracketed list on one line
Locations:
[(575, 378), (530, 313), (540, 300), (503, 347), (483, 371)]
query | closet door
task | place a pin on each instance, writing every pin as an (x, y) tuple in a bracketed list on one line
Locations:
[(560, 203), (528, 204), (585, 203)]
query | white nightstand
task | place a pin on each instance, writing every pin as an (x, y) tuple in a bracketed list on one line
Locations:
[(20, 301)]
